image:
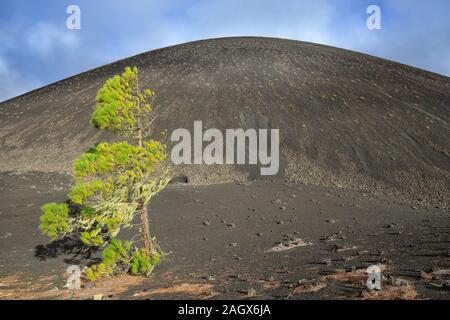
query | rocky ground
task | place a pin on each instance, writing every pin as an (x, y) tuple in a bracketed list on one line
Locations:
[(261, 240)]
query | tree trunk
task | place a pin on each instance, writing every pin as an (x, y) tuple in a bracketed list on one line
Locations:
[(145, 230)]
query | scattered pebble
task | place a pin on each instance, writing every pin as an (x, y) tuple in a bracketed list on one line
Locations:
[(398, 282), (6, 235), (350, 269), (251, 292)]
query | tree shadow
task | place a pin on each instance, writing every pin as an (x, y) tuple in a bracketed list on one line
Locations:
[(66, 246)]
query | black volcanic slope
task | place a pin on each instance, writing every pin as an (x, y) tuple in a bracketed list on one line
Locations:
[(346, 119)]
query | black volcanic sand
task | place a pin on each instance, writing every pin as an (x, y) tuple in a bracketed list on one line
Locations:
[(346, 119), (219, 240)]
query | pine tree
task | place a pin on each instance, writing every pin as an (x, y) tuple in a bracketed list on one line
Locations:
[(114, 182)]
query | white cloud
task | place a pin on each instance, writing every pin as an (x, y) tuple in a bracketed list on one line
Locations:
[(39, 45), (44, 38)]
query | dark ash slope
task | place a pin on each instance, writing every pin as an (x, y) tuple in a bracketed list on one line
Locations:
[(346, 119)]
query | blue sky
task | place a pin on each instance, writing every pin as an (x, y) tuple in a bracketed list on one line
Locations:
[(36, 48)]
